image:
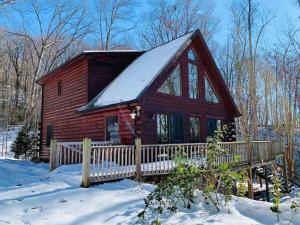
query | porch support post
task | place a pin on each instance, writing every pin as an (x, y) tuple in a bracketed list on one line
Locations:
[(86, 161), (53, 155), (267, 183), (138, 158), (250, 184), (285, 174)]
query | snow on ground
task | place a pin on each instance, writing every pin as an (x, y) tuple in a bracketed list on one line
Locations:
[(7, 137), (31, 195)]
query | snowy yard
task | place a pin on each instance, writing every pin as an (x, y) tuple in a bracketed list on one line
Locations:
[(31, 195)]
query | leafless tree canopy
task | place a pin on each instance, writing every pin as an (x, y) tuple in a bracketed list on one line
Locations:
[(168, 20)]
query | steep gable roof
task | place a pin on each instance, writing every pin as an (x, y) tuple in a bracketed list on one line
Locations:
[(131, 83)]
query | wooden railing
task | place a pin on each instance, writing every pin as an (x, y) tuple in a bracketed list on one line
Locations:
[(159, 159), (63, 153), (112, 162), (102, 161)]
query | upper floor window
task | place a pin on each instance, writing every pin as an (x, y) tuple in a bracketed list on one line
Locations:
[(59, 88), (192, 55), (172, 85), (194, 129), (112, 129), (210, 94), (193, 81)]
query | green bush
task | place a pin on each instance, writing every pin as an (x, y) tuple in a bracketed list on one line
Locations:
[(23, 144)]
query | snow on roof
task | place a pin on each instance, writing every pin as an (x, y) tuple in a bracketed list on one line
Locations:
[(113, 50), (138, 75)]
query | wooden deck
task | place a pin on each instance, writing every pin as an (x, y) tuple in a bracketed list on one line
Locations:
[(106, 162)]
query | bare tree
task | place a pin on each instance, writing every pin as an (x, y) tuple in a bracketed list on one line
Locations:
[(168, 20), (47, 47), (114, 19)]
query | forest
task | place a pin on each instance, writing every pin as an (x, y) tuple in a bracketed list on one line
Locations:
[(260, 67)]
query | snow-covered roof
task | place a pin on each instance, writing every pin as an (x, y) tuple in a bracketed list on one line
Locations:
[(112, 50), (130, 83)]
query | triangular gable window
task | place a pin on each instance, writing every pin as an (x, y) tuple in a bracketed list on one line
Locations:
[(192, 55), (172, 85), (210, 94)]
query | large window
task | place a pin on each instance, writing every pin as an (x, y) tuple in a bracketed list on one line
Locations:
[(210, 94), (172, 85), (112, 129), (162, 125), (176, 128), (194, 129), (212, 126), (169, 128), (193, 81), (49, 135)]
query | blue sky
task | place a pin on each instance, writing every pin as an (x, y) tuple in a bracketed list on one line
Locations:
[(281, 9)]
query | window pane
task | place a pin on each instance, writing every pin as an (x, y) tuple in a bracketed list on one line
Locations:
[(194, 129), (210, 94), (176, 128), (212, 126), (172, 85), (162, 128), (193, 81), (49, 135), (192, 55), (112, 129)]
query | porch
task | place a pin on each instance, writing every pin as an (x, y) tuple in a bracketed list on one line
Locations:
[(105, 162)]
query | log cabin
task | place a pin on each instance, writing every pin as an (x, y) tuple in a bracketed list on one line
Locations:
[(173, 93)]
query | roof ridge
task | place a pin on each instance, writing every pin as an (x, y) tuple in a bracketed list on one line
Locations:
[(171, 40)]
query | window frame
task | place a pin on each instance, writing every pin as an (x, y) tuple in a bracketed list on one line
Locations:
[(107, 136), (59, 88), (194, 53), (158, 128), (192, 140), (219, 124), (49, 135), (160, 90), (213, 89), (197, 81)]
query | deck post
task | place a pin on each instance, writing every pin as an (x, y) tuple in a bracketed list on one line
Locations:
[(86, 161), (250, 152), (53, 155), (250, 184), (285, 174), (267, 183), (138, 158)]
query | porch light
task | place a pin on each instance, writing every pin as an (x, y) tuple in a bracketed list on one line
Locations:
[(133, 115), (135, 112)]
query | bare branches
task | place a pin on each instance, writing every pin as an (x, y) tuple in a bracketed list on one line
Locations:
[(168, 20), (113, 20)]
